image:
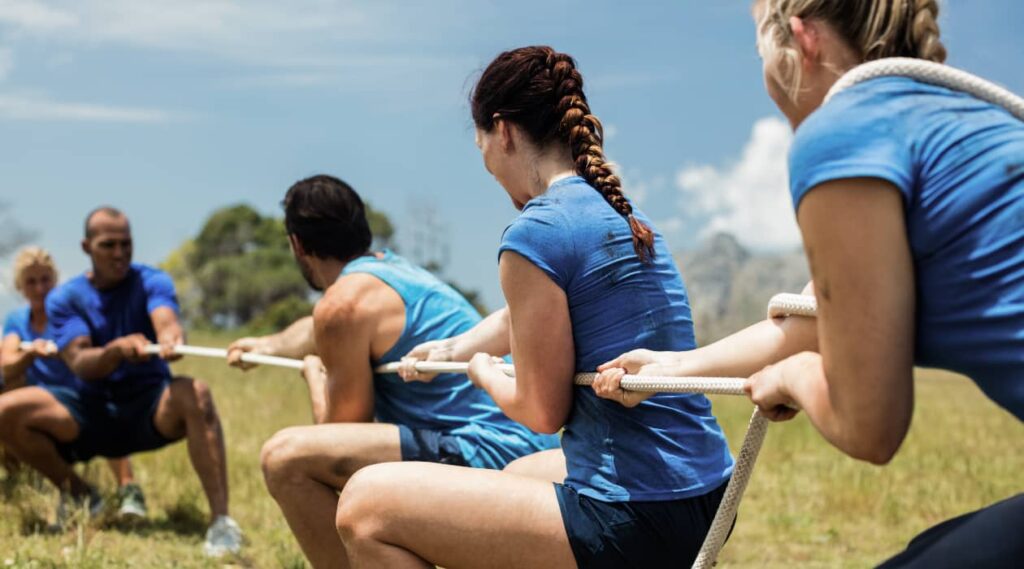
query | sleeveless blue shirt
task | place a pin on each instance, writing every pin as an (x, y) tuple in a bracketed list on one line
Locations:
[(43, 371), (670, 446), (958, 163), (449, 403)]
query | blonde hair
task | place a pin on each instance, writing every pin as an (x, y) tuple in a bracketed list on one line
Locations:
[(28, 257), (874, 29)]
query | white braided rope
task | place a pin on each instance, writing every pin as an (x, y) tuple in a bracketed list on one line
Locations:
[(202, 351), (935, 74), (786, 304)]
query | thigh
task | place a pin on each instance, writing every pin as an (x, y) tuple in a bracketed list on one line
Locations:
[(461, 517), (41, 410), (546, 465), (990, 537), (332, 453)]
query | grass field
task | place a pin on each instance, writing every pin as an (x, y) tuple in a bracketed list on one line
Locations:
[(806, 505)]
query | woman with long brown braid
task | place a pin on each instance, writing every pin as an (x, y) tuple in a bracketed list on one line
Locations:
[(585, 277)]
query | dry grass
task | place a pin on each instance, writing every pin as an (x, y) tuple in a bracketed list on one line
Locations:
[(807, 505)]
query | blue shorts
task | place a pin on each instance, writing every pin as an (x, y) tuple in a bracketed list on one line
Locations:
[(990, 537), (636, 534), (114, 421), (428, 445)]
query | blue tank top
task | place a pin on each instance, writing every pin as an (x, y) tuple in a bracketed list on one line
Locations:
[(449, 403), (670, 446), (959, 164), (43, 371)]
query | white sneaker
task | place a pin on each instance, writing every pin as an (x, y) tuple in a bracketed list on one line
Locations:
[(223, 537), (133, 503)]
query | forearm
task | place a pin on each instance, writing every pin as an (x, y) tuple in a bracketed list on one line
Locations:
[(316, 382), (96, 363), (296, 341), (490, 336), (16, 363), (863, 424), (748, 351), (517, 405)]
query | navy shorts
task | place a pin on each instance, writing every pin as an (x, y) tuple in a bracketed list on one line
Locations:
[(636, 534), (428, 445), (990, 537), (114, 422)]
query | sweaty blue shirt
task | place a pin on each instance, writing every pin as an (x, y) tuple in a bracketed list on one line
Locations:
[(43, 371), (668, 447), (449, 403), (77, 309), (958, 162)]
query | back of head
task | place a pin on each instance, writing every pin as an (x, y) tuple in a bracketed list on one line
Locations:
[(328, 218), (541, 90), (29, 257), (874, 29)]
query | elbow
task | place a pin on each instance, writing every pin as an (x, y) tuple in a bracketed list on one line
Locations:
[(545, 422), (878, 447)]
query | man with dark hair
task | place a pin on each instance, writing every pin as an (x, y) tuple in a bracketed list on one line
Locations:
[(375, 308), (102, 321)]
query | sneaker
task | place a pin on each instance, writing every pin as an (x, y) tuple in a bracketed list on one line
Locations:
[(69, 505), (223, 537), (133, 503)]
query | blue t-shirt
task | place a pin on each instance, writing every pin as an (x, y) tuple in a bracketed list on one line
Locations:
[(958, 162), (43, 371), (668, 447), (449, 403), (77, 309)]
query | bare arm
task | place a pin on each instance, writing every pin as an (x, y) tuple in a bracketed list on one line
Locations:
[(296, 341), (859, 391), (92, 363), (540, 395), (169, 332), (490, 336), (15, 360), (739, 355), (343, 330)]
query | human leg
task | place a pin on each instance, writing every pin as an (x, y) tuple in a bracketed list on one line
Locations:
[(121, 468), (989, 537), (186, 409), (545, 465), (421, 515), (32, 423), (305, 468)]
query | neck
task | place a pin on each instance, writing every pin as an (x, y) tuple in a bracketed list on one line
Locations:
[(548, 168), (37, 312)]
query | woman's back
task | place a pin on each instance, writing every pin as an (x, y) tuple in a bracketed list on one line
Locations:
[(959, 165), (668, 447)]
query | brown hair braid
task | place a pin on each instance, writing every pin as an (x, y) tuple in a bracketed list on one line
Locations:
[(541, 90)]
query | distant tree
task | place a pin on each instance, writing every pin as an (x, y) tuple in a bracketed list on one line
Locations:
[(239, 271)]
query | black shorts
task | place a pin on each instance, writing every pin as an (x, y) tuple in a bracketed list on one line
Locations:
[(988, 538), (636, 534), (115, 422), (428, 445)]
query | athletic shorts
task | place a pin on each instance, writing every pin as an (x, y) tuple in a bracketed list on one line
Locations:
[(636, 534), (114, 422), (428, 445), (988, 538)]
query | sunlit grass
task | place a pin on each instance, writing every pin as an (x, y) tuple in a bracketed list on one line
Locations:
[(807, 505)]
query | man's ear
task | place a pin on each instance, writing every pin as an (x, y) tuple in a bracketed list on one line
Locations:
[(296, 245), (807, 36), (86, 248)]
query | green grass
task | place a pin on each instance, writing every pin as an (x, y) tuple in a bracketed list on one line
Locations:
[(807, 505)]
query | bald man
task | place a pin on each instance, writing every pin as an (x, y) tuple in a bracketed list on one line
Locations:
[(102, 322)]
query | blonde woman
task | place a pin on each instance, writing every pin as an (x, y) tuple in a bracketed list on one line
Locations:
[(39, 368), (910, 200)]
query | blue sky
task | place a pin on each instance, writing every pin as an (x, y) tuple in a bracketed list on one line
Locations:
[(169, 109)]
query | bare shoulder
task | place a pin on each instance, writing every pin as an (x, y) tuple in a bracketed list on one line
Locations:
[(353, 300)]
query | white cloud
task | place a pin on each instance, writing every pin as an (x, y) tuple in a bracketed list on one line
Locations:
[(748, 198), (21, 107), (33, 16)]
